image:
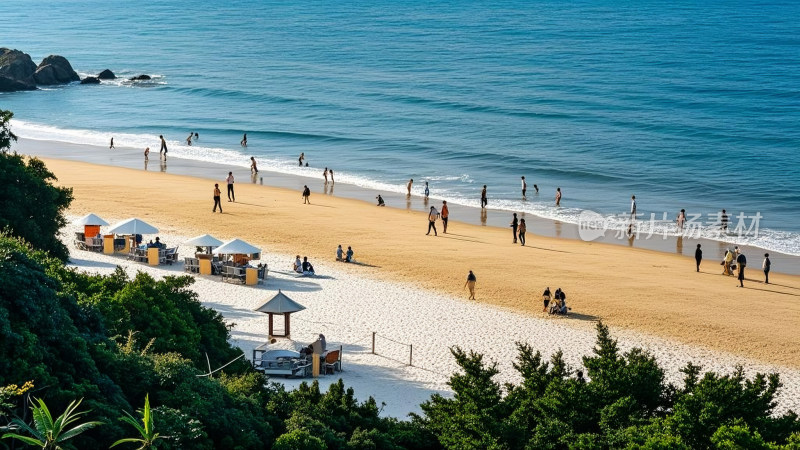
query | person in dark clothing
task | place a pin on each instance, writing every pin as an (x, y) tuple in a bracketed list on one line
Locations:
[(741, 261), (217, 195), (546, 298), (514, 224), (484, 201), (766, 266), (698, 257), (306, 194), (163, 145), (471, 280)]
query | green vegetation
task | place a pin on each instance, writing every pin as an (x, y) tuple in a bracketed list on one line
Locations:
[(113, 340)]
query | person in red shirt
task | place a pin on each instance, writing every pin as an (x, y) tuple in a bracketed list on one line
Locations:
[(444, 215)]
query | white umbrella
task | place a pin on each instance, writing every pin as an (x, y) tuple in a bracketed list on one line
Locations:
[(133, 226), (236, 247), (205, 240), (90, 219)]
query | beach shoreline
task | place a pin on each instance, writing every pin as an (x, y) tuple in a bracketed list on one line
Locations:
[(713, 250), (638, 289)]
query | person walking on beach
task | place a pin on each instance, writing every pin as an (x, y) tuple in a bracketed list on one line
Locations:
[(521, 231), (558, 196), (514, 224), (147, 153), (444, 215), (484, 202), (112, 143), (217, 196), (325, 174), (471, 280), (723, 218), (306, 194), (408, 186), (524, 187), (741, 262), (330, 172), (302, 157), (163, 146), (427, 190), (253, 167), (243, 142), (698, 257), (432, 216), (766, 265), (231, 195)]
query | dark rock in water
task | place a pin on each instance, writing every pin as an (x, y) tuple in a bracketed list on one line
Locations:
[(140, 78), (106, 75), (55, 70), (16, 71), (90, 80)]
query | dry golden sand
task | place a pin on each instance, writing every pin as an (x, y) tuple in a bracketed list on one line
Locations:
[(639, 289)]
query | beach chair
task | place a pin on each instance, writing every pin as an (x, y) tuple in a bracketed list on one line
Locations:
[(262, 273), (171, 255), (333, 362)]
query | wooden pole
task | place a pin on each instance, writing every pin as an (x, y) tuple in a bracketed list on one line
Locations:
[(410, 353), (373, 342)]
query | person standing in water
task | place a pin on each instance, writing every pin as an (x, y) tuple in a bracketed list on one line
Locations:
[(196, 136), (558, 196), (427, 190), (301, 158), (723, 218), (484, 201), (698, 257), (112, 143), (253, 167), (444, 215), (189, 139), (766, 265), (325, 174), (471, 280), (536, 188), (163, 146), (330, 172), (514, 224), (231, 195), (524, 187), (681, 220), (408, 186), (243, 142), (147, 153), (217, 196)]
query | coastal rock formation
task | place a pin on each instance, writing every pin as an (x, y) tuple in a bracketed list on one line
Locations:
[(55, 70), (16, 71), (106, 75), (140, 78), (90, 80)]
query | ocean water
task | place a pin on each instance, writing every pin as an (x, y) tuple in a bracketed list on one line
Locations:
[(691, 105)]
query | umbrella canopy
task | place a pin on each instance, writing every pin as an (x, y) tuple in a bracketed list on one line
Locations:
[(90, 219), (236, 247), (205, 240), (133, 226), (280, 304)]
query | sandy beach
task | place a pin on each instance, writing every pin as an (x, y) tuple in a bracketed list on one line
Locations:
[(634, 289)]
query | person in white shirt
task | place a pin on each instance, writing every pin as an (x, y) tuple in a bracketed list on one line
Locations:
[(432, 216), (231, 195), (298, 265)]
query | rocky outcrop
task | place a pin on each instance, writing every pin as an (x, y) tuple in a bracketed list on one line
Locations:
[(16, 71), (55, 70), (90, 80), (140, 78), (106, 75)]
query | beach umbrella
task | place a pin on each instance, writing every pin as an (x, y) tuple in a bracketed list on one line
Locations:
[(90, 219), (236, 247), (205, 240), (133, 226), (282, 305)]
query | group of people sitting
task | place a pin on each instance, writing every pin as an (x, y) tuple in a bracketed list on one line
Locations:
[(151, 244), (342, 256), (557, 304), (303, 267), (319, 343)]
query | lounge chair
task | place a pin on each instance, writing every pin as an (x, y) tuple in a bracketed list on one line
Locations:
[(333, 362), (171, 255)]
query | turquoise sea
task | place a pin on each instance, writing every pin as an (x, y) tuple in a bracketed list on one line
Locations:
[(691, 105)]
